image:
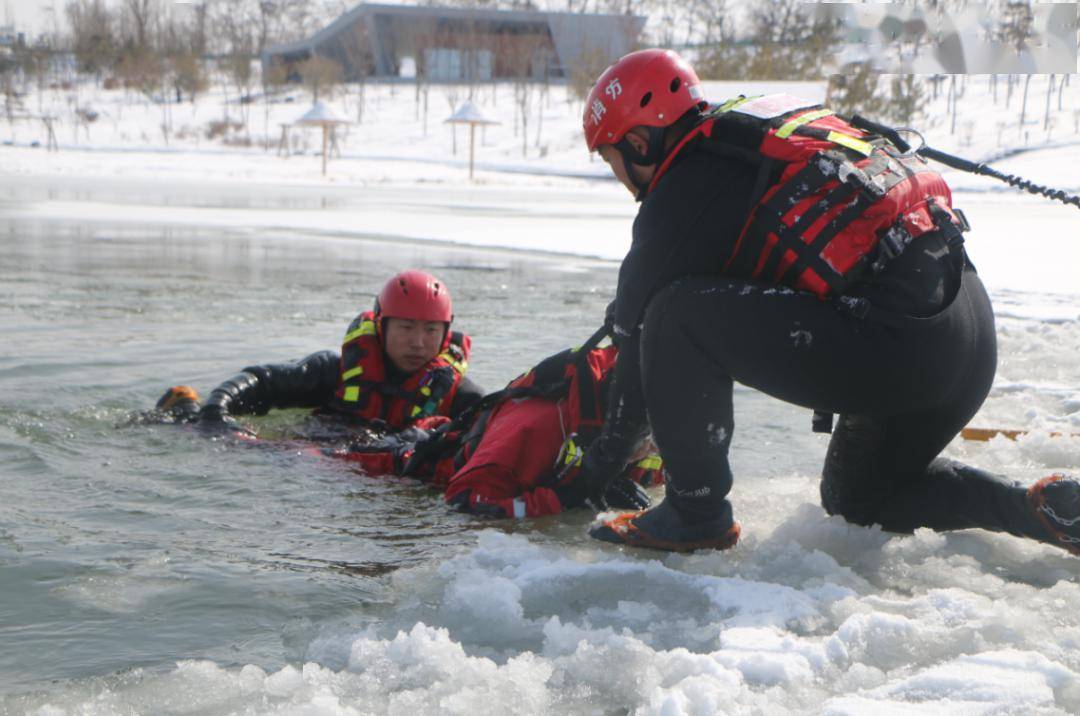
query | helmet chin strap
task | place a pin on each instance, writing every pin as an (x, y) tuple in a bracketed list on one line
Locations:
[(653, 155)]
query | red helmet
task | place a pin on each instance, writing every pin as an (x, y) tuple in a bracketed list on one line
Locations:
[(415, 295), (648, 88)]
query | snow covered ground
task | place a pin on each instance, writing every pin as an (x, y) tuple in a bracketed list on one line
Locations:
[(808, 615)]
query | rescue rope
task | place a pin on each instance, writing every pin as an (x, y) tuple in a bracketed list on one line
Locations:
[(965, 165)]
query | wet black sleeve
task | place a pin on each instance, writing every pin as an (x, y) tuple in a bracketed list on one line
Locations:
[(468, 393), (307, 383)]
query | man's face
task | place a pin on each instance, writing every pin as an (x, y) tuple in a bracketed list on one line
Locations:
[(410, 344), (614, 159)]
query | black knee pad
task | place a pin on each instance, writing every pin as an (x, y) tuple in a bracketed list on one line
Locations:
[(850, 486)]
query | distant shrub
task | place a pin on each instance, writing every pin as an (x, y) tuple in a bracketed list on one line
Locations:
[(221, 128)]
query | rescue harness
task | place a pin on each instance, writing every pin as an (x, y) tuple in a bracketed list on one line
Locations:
[(831, 204), (365, 392), (576, 375)]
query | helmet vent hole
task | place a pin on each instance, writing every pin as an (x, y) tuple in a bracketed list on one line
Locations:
[(646, 99), (676, 84)]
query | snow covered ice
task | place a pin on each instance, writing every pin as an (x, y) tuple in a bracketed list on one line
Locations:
[(807, 615)]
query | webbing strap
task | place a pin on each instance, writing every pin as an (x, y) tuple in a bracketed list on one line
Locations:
[(768, 216), (875, 171), (790, 238)]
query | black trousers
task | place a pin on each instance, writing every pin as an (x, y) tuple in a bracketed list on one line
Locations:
[(903, 386)]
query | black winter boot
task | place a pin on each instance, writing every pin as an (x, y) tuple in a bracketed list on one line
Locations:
[(1056, 502), (663, 527)]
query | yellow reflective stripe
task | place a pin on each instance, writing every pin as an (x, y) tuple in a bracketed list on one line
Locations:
[(732, 104), (367, 328), (460, 366), (846, 140), (651, 462), (415, 411), (426, 390), (571, 452), (791, 125), (352, 393), (352, 373)]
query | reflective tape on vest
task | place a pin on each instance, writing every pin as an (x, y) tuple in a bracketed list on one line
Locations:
[(352, 393), (846, 140), (651, 462), (732, 104), (459, 365), (367, 328), (571, 453), (785, 131), (352, 373)]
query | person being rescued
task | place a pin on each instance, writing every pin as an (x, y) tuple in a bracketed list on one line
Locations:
[(517, 452), (399, 363)]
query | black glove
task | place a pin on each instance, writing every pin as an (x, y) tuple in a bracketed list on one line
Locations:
[(213, 422), (625, 494), (609, 322), (589, 485), (392, 443), (572, 495)]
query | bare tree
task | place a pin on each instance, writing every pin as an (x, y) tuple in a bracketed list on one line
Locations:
[(320, 74), (1049, 96), (1023, 102), (789, 42), (93, 37), (1016, 25), (858, 90), (423, 41), (189, 75), (8, 70), (908, 97), (275, 76), (357, 50), (585, 70), (142, 13)]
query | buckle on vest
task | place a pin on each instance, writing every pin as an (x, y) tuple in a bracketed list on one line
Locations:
[(952, 230), (851, 175), (891, 244)]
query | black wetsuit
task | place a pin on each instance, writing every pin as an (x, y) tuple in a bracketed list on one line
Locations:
[(905, 378), (307, 383)]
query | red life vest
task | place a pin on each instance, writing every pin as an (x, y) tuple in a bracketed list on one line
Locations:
[(831, 202), (364, 392), (503, 459), (542, 444)]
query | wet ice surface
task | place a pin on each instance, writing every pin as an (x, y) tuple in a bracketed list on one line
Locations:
[(146, 570)]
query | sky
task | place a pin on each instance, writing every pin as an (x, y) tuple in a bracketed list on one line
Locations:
[(29, 16)]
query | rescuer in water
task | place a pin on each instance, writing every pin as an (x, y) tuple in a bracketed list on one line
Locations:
[(400, 363)]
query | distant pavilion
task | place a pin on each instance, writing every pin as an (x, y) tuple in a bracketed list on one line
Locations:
[(461, 44)]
